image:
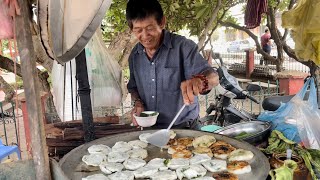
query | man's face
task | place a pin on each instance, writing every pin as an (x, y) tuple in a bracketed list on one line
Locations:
[(148, 32)]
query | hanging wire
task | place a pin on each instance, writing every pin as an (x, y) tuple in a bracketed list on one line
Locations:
[(71, 91), (64, 92)]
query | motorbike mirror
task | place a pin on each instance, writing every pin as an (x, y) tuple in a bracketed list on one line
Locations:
[(253, 88)]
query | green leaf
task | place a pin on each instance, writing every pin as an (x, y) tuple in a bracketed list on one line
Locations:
[(200, 13)]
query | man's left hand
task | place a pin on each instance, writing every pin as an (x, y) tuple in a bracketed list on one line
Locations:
[(194, 86)]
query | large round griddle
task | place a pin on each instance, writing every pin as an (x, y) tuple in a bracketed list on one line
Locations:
[(259, 164)]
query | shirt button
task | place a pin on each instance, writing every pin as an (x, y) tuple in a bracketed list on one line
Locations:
[(152, 79), (152, 63), (152, 96)]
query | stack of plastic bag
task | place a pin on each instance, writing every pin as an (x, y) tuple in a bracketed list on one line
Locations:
[(298, 119)]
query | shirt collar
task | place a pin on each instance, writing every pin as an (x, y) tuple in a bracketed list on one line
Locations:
[(166, 42)]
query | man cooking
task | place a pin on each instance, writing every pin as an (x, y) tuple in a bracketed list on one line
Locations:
[(166, 70)]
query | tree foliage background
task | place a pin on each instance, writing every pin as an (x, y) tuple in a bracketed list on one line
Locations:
[(201, 18)]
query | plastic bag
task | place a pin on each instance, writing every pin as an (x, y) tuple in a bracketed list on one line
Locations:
[(6, 23), (104, 74), (305, 114), (304, 21), (65, 95)]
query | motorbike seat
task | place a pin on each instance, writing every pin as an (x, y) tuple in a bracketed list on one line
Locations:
[(273, 103)]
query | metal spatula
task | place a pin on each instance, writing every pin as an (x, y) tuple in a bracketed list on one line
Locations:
[(161, 137)]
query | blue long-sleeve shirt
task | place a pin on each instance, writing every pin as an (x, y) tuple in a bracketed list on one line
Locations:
[(157, 81)]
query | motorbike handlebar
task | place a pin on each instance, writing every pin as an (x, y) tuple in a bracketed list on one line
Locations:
[(252, 99), (210, 109)]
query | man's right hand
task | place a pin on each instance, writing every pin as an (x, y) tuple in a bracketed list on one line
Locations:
[(137, 109)]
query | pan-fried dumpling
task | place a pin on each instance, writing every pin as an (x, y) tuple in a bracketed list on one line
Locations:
[(145, 172), (187, 141), (138, 153), (164, 175), (117, 157), (122, 175), (134, 163), (94, 159), (182, 154), (222, 151), (192, 171), (158, 163), (215, 165), (178, 163), (203, 141), (173, 149), (144, 136), (121, 147), (138, 144), (224, 176), (203, 150), (100, 148), (199, 158), (239, 167), (110, 167), (240, 155)]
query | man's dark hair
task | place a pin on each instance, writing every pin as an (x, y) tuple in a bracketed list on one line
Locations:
[(141, 9)]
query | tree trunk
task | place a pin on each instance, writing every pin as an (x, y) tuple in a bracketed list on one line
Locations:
[(277, 37), (121, 46), (214, 15)]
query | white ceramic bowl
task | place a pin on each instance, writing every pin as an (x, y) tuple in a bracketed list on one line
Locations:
[(147, 121)]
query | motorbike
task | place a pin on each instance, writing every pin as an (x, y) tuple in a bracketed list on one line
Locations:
[(224, 111)]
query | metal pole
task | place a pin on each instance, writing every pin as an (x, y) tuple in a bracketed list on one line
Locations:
[(4, 124), (85, 99)]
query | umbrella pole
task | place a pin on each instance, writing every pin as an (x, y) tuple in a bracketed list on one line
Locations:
[(85, 99)]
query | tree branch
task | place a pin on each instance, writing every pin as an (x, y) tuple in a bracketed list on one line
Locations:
[(208, 24), (286, 30), (8, 64), (290, 52), (214, 28)]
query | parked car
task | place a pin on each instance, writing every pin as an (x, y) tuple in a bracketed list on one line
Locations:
[(240, 46)]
